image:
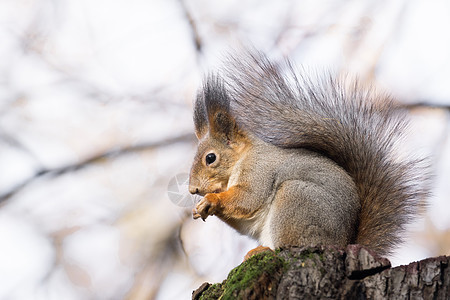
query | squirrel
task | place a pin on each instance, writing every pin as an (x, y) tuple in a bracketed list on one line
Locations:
[(290, 161)]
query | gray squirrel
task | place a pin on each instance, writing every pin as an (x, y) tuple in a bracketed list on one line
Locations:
[(291, 161)]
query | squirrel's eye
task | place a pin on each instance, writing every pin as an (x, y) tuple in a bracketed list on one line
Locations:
[(210, 158)]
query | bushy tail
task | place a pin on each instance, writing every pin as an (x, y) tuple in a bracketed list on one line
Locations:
[(352, 125)]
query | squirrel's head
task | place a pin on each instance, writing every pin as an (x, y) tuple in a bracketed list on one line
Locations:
[(221, 143)]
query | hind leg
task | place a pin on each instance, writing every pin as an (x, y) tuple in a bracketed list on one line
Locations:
[(307, 214)]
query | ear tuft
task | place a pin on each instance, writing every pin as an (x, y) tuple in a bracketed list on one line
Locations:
[(200, 116), (217, 104)]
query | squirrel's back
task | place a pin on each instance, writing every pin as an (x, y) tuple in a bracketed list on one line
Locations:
[(349, 123)]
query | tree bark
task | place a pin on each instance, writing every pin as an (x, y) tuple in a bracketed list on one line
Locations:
[(330, 273)]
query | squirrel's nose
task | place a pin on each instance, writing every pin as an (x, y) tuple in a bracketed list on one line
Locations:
[(193, 189)]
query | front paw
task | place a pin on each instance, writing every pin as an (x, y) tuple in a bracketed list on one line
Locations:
[(206, 207)]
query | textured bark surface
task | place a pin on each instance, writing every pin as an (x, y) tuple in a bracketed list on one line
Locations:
[(331, 273)]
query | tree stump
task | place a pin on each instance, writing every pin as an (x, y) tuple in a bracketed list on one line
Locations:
[(330, 273)]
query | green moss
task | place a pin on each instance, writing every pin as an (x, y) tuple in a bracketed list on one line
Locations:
[(312, 254), (245, 276), (262, 270), (307, 254), (300, 259), (213, 292)]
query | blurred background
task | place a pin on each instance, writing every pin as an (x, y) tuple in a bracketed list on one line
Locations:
[(96, 133)]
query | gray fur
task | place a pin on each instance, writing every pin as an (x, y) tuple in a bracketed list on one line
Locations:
[(322, 162)]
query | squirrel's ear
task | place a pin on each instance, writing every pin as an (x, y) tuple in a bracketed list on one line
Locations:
[(200, 116), (217, 102)]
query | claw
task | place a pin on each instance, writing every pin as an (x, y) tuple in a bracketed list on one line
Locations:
[(195, 214), (203, 209)]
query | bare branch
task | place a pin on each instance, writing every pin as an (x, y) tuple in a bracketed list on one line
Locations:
[(193, 25), (110, 154), (426, 105)]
